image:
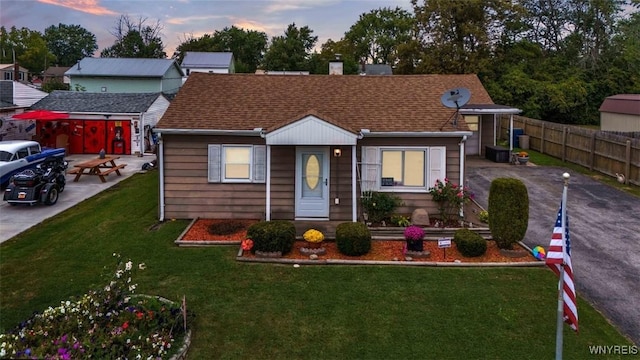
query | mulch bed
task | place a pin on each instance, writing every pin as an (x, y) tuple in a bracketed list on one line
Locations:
[(381, 250)]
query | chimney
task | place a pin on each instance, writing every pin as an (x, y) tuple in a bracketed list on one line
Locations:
[(79, 65), (336, 66), (16, 72)]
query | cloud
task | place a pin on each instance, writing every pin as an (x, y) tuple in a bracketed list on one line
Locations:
[(191, 19), (86, 6), (292, 5)]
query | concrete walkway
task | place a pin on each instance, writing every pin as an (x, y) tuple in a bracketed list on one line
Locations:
[(604, 228), (16, 219)]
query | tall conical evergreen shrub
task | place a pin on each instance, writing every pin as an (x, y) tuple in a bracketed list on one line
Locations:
[(508, 211)]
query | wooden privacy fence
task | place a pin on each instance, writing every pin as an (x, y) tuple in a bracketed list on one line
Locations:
[(601, 151)]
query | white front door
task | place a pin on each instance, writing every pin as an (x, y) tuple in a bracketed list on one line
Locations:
[(312, 182)]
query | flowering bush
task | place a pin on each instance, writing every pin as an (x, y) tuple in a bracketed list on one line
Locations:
[(450, 198), (313, 236), (247, 244), (111, 322), (413, 233)]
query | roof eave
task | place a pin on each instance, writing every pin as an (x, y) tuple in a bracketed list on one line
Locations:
[(366, 133), (470, 111), (254, 132)]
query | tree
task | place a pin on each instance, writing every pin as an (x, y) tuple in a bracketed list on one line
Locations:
[(458, 36), (248, 46), (26, 47), (292, 51), (136, 40), (376, 36), (70, 43)]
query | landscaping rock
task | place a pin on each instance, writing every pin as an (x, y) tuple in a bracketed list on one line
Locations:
[(420, 217)]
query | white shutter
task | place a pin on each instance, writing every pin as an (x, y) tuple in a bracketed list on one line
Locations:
[(370, 166), (214, 163), (259, 163), (437, 165)]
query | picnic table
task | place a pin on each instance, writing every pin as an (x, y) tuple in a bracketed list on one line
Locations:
[(99, 167)]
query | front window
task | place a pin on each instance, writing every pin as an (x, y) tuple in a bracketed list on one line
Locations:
[(237, 163), (403, 168)]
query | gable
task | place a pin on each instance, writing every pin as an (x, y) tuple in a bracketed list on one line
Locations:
[(310, 130)]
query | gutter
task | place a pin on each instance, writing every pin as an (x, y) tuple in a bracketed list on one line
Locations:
[(254, 132), (367, 133)]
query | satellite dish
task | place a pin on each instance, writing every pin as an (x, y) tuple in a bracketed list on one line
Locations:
[(455, 98)]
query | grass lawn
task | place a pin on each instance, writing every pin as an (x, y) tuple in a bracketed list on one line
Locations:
[(262, 311)]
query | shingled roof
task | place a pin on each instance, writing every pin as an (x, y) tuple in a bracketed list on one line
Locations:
[(78, 101), (408, 103)]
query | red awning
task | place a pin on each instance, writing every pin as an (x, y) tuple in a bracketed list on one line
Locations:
[(41, 115)]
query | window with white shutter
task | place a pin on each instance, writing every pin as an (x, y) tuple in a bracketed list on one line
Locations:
[(237, 163), (397, 168)]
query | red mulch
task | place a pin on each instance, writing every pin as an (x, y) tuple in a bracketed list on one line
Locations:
[(381, 250)]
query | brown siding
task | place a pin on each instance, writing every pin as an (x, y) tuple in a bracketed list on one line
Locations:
[(283, 175), (416, 200), (340, 185), (188, 194), (486, 137)]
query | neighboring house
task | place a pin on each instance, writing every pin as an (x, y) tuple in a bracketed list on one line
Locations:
[(118, 123), (308, 147), (125, 75), (377, 69), (15, 97), (208, 62), (620, 113), (9, 73), (56, 73)]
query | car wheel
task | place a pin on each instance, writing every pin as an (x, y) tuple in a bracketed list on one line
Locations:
[(52, 195)]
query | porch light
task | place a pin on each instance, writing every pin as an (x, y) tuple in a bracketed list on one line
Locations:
[(337, 152)]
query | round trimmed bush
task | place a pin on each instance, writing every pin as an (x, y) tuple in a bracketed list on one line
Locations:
[(272, 236), (469, 243), (509, 211), (353, 238)]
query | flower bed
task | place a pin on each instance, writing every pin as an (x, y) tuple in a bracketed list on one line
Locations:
[(109, 323)]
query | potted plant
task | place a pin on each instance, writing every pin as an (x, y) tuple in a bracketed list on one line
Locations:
[(313, 238), (523, 157), (414, 236)]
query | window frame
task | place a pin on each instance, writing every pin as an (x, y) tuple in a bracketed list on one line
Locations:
[(403, 150), (223, 164)]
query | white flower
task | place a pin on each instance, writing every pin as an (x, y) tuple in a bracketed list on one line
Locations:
[(128, 266), (142, 266), (107, 288)]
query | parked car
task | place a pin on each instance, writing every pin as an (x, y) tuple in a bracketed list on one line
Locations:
[(19, 155)]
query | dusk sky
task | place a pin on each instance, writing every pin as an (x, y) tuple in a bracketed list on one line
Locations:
[(329, 19)]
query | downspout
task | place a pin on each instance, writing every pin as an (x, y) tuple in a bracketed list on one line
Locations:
[(160, 161), (268, 200), (354, 199), (462, 166), (510, 134)]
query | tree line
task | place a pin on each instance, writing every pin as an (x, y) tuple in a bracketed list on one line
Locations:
[(555, 59)]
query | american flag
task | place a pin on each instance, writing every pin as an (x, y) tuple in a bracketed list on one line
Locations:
[(555, 259)]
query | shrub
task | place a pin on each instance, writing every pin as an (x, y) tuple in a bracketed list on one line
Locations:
[(353, 239), (272, 236), (399, 220), (450, 198), (509, 209), (226, 227), (469, 243), (484, 216), (380, 205)]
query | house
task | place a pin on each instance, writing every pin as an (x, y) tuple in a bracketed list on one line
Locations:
[(377, 69), (56, 74), (125, 75), (9, 73), (15, 97), (308, 147), (209, 62), (119, 123), (620, 113)]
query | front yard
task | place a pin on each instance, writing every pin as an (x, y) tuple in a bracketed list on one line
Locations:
[(266, 311)]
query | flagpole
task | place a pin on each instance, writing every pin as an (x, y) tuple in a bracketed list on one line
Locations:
[(560, 319)]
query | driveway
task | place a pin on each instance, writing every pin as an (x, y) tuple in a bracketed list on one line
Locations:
[(605, 233), (16, 219)]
